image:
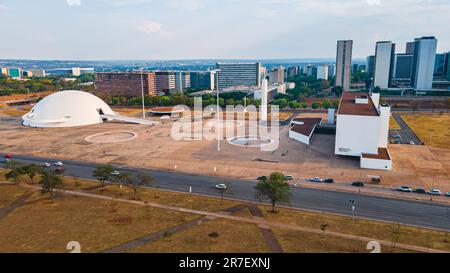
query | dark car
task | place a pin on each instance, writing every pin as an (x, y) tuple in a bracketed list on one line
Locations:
[(420, 190), (59, 170), (329, 181), (358, 184)]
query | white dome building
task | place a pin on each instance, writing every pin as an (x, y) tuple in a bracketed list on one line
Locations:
[(67, 109)]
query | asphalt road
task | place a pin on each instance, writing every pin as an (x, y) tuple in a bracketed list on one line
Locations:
[(414, 213), (406, 134)]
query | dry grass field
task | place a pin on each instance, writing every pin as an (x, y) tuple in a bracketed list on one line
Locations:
[(393, 125), (433, 130)]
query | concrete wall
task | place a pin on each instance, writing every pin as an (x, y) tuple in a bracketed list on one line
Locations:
[(376, 164), (299, 137)]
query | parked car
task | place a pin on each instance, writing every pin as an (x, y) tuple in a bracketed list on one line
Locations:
[(60, 170), (405, 189), (59, 163), (420, 191), (221, 186), (115, 173), (358, 184), (328, 181), (412, 143), (289, 177), (9, 156), (447, 194), (315, 179), (46, 165), (435, 192), (6, 160)]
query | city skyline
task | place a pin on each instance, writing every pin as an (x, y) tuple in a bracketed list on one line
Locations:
[(203, 29)]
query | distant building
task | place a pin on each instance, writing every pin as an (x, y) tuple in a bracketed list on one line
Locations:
[(276, 75), (127, 84), (27, 73), (238, 74), (409, 48), (370, 65), (38, 73), (293, 71), (331, 70), (423, 63), (182, 81), (355, 68), (165, 82), (202, 80), (447, 66), (403, 66), (344, 63), (74, 71), (3, 71), (384, 64), (14, 72), (322, 72), (309, 70), (439, 65)]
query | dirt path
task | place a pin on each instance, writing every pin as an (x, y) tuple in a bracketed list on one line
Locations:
[(266, 231), (5, 211)]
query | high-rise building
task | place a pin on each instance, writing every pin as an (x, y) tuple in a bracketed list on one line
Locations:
[(423, 63), (165, 82), (127, 84), (384, 64), (202, 80), (182, 81), (439, 66), (344, 63), (293, 71), (355, 68), (276, 75), (322, 72), (447, 66), (370, 65), (403, 66), (309, 70), (238, 74), (409, 48), (331, 70)]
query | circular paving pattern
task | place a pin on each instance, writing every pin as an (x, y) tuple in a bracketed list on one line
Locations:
[(111, 137), (251, 141)]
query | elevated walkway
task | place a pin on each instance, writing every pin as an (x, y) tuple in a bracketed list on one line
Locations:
[(131, 120)]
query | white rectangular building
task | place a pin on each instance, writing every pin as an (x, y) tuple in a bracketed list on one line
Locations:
[(384, 62), (322, 72), (423, 63), (362, 127)]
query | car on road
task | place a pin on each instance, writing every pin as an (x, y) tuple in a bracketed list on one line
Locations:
[(420, 191), (405, 189), (412, 143), (358, 184), (6, 160), (115, 173), (447, 194), (60, 170), (46, 165), (59, 163), (9, 156), (289, 177), (315, 179), (397, 136), (434, 192), (221, 186), (328, 181)]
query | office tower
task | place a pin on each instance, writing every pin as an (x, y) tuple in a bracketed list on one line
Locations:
[(276, 75), (447, 66), (293, 71), (14, 72), (370, 65), (263, 73), (331, 70), (38, 72), (127, 84), (384, 64), (423, 63), (409, 48), (439, 65), (403, 66), (202, 80), (344, 64), (309, 70), (322, 72), (165, 82), (355, 68), (238, 74), (182, 81)]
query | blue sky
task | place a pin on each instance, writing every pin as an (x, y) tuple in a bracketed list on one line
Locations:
[(193, 29)]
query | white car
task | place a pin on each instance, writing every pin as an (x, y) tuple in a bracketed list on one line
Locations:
[(59, 163), (221, 186), (115, 172), (435, 192), (447, 194), (405, 189), (315, 179), (46, 165), (412, 143), (289, 177)]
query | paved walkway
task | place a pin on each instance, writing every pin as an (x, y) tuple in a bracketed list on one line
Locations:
[(5, 211), (254, 220)]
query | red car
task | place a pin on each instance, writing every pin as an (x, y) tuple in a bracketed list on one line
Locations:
[(9, 156)]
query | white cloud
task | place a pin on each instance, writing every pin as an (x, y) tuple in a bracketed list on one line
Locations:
[(150, 27), (73, 2)]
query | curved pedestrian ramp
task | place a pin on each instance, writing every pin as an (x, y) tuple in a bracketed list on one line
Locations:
[(130, 120)]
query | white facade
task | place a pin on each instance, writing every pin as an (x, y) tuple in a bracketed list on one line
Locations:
[(67, 109), (423, 63), (375, 164), (322, 72), (384, 56), (344, 64), (299, 137), (264, 94)]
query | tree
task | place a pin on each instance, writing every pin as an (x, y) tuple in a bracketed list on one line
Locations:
[(50, 181), (275, 189), (326, 104), (102, 174), (32, 170), (15, 172), (315, 105)]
